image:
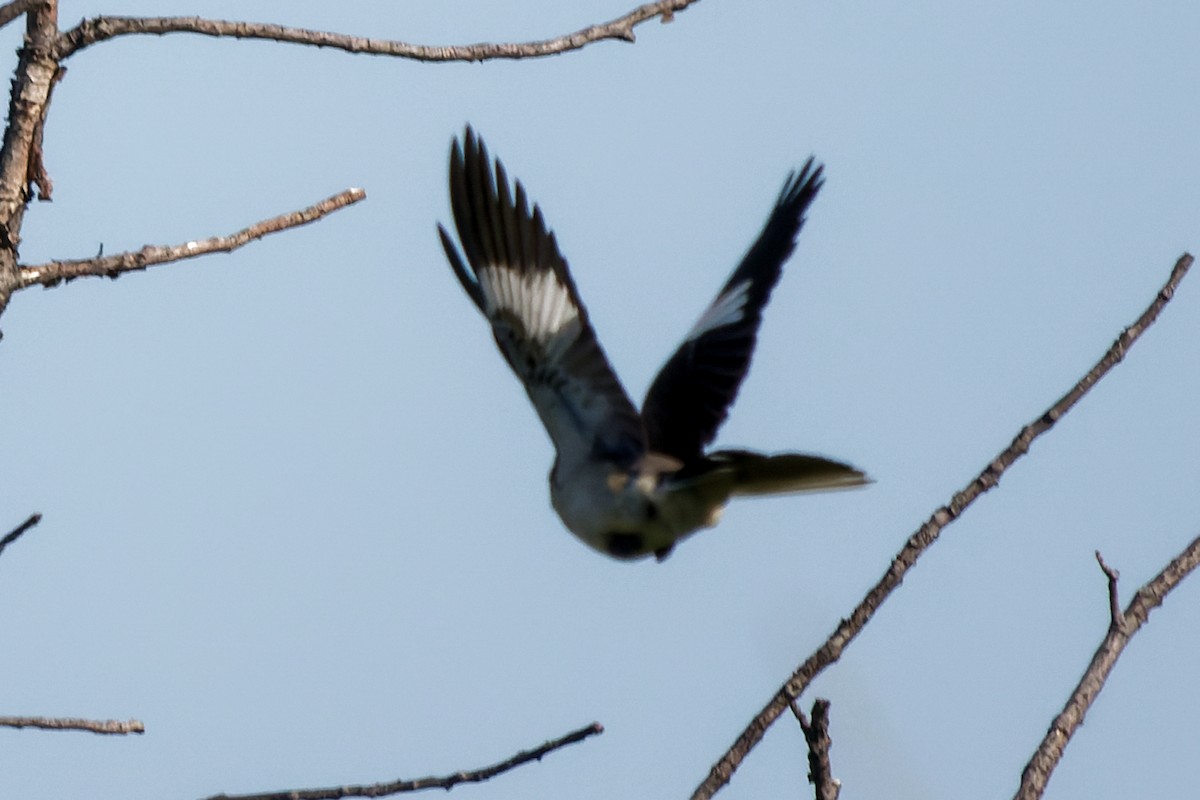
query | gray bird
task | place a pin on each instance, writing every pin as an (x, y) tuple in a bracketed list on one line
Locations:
[(628, 484)]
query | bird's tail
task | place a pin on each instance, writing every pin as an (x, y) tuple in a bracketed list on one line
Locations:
[(741, 472)]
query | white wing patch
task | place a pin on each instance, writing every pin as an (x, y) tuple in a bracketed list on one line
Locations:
[(537, 299), (725, 310)]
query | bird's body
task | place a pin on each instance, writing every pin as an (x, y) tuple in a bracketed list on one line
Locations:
[(628, 512), (629, 484)]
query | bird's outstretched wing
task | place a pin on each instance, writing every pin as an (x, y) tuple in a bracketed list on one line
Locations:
[(691, 395), (517, 277)]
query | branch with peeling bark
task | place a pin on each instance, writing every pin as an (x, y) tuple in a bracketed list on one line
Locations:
[(21, 154), (107, 727), (444, 782), (55, 272), (101, 29), (1122, 626), (925, 536)]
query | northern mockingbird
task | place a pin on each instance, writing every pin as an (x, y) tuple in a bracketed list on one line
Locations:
[(628, 484)]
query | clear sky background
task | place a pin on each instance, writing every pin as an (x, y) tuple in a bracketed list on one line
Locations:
[(296, 512)]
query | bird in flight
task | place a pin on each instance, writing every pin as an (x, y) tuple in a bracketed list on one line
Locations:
[(628, 484)]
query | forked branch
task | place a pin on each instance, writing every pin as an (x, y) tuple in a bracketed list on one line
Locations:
[(100, 29), (54, 272), (925, 536), (1121, 629)]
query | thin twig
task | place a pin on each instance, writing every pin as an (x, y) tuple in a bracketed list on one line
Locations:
[(18, 531), (924, 537), (1114, 600), (100, 29), (54, 272), (816, 735), (109, 727), (445, 782), (1037, 772)]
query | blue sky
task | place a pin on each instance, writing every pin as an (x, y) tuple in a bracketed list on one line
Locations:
[(296, 514)]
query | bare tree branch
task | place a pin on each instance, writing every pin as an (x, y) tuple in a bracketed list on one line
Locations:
[(10, 11), (1122, 628), (924, 537), (54, 272), (445, 782), (100, 29), (816, 734), (20, 158), (110, 727), (18, 531), (36, 71)]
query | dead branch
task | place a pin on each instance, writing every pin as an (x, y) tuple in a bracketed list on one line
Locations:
[(38, 177), (18, 531), (10, 11), (444, 782), (924, 537), (1037, 772), (19, 157), (108, 727), (816, 735), (100, 29), (54, 272)]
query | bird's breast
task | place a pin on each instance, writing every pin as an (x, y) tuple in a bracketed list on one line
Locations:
[(623, 513), (611, 509)]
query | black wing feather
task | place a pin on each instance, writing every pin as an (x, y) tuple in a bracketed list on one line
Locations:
[(692, 393), (545, 337)]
